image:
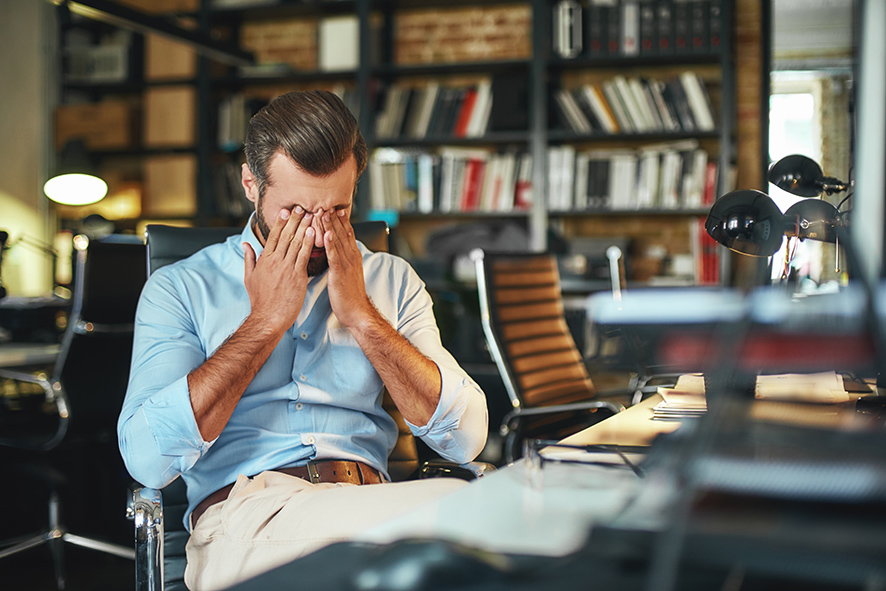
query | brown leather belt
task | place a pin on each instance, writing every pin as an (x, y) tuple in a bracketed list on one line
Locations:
[(315, 472)]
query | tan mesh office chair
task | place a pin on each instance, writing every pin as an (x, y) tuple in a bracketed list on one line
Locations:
[(544, 374)]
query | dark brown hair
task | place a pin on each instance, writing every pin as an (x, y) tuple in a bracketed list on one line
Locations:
[(314, 128)]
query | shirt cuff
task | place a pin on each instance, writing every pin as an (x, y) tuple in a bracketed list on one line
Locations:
[(170, 419)]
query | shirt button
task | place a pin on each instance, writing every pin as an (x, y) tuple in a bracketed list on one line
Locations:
[(303, 378), (298, 406), (303, 335), (311, 440)]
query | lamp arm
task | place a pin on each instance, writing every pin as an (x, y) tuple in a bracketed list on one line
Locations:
[(831, 185)]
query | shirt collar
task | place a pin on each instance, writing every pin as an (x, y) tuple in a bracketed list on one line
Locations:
[(249, 236)]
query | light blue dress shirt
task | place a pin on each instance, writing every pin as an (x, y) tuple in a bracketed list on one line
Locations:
[(316, 397)]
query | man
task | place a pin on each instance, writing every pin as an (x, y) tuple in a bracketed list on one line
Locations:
[(259, 363)]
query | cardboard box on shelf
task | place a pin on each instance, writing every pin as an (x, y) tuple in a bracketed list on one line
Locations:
[(170, 186), (166, 59), (106, 125), (169, 116)]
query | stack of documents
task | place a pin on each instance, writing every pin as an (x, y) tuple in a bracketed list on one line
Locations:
[(687, 398)]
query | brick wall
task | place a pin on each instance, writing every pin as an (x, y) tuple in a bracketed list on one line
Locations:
[(463, 34), (291, 41)]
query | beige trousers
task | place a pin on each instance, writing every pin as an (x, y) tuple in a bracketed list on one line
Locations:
[(274, 518)]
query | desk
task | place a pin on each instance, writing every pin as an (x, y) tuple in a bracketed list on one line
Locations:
[(15, 355)]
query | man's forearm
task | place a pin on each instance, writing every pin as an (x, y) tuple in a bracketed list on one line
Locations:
[(412, 379), (216, 386)]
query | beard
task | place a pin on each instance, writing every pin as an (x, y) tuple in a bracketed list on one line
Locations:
[(316, 265)]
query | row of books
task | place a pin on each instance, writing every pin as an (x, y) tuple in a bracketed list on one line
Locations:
[(675, 176), (637, 105), (435, 110), (672, 176), (450, 180), (652, 27)]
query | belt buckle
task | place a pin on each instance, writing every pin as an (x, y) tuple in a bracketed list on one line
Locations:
[(313, 474)]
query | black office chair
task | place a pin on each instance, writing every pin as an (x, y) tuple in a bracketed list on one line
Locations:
[(159, 530), (91, 371), (522, 313)]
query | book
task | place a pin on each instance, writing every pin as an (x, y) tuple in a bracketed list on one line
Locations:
[(597, 27), (634, 111), (623, 180), (638, 93), (523, 190), (647, 190), (572, 114), (664, 24), (580, 188), (682, 26), (475, 168), (676, 96), (698, 100), (715, 24), (425, 110), (666, 113), (504, 188), (601, 108), (463, 118), (425, 196), (644, 90), (581, 100), (479, 119), (698, 28), (630, 27), (648, 28), (625, 123)]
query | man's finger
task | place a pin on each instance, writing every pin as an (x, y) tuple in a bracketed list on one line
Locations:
[(297, 242), (274, 235), (248, 260), (303, 253)]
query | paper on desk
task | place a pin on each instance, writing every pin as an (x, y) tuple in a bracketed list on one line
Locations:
[(687, 397)]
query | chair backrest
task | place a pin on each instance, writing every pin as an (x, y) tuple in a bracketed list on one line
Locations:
[(96, 352), (167, 244), (523, 319)]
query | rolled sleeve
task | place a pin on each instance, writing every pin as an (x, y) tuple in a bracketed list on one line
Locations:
[(157, 432), (458, 428)]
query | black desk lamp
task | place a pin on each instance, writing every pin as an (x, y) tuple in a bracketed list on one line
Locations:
[(749, 222)]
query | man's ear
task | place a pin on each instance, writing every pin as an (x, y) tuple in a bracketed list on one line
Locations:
[(249, 182)]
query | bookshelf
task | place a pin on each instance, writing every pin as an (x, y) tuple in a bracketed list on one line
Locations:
[(505, 162)]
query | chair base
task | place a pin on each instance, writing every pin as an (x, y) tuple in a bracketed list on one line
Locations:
[(56, 537)]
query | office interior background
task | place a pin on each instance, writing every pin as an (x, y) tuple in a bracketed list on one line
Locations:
[(163, 125)]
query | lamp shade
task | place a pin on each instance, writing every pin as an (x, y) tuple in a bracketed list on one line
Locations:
[(803, 177), (75, 182), (797, 175), (747, 222), (813, 219)]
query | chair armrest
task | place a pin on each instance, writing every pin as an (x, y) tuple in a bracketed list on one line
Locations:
[(466, 471), (146, 510), (519, 413), (53, 393)]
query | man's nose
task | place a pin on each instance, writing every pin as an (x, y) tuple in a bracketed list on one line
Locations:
[(318, 228)]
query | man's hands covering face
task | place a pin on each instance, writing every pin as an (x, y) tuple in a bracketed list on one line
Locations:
[(347, 290), (276, 282)]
